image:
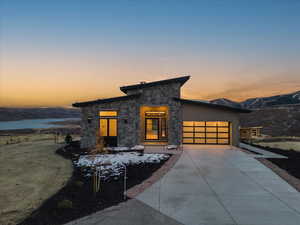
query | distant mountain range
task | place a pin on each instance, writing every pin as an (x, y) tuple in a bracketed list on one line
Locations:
[(279, 115), (10, 114), (263, 102)]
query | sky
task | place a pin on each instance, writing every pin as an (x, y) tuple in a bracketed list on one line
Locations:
[(54, 53)]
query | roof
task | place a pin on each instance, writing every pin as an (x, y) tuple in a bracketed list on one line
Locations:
[(180, 80), (209, 104), (105, 100)]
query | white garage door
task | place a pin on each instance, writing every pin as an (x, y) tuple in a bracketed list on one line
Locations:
[(206, 132)]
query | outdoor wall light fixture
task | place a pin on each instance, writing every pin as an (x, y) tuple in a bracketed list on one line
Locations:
[(89, 120)]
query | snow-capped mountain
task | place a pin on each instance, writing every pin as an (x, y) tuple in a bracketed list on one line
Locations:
[(256, 103)]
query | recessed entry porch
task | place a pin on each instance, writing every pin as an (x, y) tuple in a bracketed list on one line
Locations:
[(154, 125)]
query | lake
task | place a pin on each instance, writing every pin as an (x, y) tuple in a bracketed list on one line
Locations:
[(31, 124)]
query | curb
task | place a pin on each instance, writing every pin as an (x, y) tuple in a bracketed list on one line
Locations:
[(137, 189)]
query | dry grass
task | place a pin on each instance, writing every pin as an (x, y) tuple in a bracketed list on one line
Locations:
[(30, 172), (4, 140), (15, 139), (285, 145)]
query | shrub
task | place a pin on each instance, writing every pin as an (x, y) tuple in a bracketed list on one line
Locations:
[(68, 139), (65, 204)]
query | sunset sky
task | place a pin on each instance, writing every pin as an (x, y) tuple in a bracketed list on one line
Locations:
[(57, 52)]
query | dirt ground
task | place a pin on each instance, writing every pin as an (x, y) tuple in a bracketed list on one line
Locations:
[(30, 173), (285, 145)]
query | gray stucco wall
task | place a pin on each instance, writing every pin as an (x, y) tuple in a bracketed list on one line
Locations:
[(129, 134), (193, 112)]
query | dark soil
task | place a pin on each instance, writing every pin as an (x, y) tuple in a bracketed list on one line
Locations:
[(79, 192), (291, 165)]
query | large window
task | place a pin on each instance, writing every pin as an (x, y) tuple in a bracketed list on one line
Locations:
[(108, 123), (109, 127), (206, 132)]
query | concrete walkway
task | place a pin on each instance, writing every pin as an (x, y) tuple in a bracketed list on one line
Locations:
[(262, 153), (132, 212), (212, 185)]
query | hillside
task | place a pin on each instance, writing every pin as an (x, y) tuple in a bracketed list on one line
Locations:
[(10, 114), (278, 115), (276, 121)]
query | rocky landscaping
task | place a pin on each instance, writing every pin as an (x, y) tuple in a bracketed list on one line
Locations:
[(77, 198)]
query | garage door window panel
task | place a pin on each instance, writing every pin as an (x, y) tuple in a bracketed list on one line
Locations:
[(223, 141), (211, 135), (199, 129), (199, 140), (188, 135), (200, 135), (188, 140)]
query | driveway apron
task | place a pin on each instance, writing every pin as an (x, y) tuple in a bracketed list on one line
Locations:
[(213, 185)]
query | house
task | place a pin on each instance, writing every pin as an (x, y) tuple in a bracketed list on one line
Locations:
[(155, 113), (247, 133)]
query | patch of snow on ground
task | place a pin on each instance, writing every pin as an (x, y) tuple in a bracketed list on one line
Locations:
[(120, 149), (170, 147), (123, 149), (138, 147), (115, 162)]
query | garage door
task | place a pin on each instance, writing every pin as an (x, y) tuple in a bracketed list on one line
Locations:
[(206, 132)]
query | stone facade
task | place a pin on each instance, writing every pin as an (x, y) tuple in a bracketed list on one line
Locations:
[(129, 119), (162, 96)]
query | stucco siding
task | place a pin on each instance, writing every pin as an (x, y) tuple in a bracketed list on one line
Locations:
[(192, 112)]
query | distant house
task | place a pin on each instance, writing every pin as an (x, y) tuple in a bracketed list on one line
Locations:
[(155, 113), (247, 133)]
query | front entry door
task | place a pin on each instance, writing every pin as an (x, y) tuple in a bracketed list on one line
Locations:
[(155, 129), (152, 129)]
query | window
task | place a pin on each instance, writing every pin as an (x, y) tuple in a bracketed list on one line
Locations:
[(108, 123), (108, 113), (103, 127), (112, 127), (155, 114)]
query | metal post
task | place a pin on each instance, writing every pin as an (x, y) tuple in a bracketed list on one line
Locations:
[(125, 175)]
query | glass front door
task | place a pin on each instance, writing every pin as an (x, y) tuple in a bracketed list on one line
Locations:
[(152, 129), (155, 129)]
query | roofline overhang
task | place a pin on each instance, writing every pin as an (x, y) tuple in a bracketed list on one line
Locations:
[(223, 107), (180, 80), (105, 100)]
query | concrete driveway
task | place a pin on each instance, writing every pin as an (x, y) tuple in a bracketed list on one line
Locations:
[(213, 185)]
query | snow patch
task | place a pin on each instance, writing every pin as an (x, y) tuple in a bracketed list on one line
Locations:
[(114, 163), (171, 147), (138, 147), (297, 96), (124, 149)]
